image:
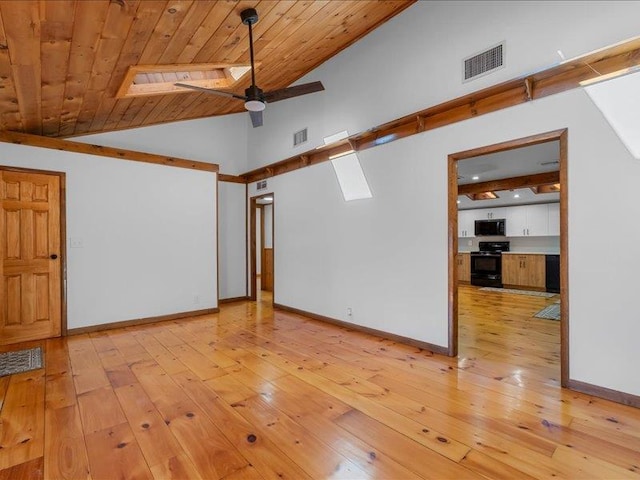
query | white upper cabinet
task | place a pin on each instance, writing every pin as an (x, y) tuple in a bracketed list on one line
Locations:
[(528, 221), (521, 221), (466, 223), (554, 219), (537, 220), (516, 220), (489, 213)]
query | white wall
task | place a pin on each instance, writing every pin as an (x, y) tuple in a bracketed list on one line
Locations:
[(414, 61), (258, 241), (232, 236), (148, 233), (516, 244), (386, 258), (268, 225), (220, 140)]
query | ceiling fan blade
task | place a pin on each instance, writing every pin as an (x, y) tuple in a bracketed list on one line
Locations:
[(210, 90), (256, 119), (290, 92)]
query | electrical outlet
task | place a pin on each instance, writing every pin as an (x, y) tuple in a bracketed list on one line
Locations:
[(349, 311), (75, 242)]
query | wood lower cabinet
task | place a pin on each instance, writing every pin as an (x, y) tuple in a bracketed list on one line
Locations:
[(464, 267), (526, 270)]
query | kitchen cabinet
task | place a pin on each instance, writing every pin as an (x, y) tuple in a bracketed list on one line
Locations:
[(554, 219), (489, 213), (464, 267), (528, 221), (466, 223), (538, 220), (526, 270)]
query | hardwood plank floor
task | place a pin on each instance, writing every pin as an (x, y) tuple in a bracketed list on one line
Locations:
[(253, 393)]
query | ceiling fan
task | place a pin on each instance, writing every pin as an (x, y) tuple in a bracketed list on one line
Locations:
[(254, 98)]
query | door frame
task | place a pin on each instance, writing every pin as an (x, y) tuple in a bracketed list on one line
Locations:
[(253, 204), (63, 236), (557, 135)]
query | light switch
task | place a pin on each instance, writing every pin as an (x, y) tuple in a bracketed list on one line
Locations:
[(75, 242)]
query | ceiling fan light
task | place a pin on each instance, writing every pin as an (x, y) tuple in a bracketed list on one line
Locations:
[(254, 105)]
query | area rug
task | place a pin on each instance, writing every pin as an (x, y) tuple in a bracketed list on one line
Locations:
[(20, 361), (552, 312), (519, 292)]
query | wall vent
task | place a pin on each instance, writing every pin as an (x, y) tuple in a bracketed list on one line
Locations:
[(299, 137), (261, 185), (483, 63)]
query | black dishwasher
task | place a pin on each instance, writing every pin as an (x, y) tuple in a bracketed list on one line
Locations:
[(552, 282)]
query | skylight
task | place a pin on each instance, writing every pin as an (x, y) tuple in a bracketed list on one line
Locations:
[(619, 102), (351, 178), (349, 172), (143, 80)]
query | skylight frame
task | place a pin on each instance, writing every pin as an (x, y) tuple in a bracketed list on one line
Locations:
[(228, 80)]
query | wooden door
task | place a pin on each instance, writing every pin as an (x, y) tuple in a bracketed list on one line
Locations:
[(30, 295), (267, 269)]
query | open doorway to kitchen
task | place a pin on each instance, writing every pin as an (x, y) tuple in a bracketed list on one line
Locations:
[(508, 280), (261, 248)]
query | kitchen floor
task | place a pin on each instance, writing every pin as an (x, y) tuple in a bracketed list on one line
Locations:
[(499, 337)]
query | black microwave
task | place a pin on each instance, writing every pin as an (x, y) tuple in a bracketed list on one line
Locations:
[(487, 228)]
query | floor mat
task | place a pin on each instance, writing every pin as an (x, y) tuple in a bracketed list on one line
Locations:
[(519, 292), (20, 361), (552, 312)]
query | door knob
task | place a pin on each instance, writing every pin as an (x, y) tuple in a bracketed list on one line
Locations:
[(53, 256)]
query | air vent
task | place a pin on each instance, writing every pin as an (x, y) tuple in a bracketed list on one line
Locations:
[(552, 162), (483, 63), (299, 137), (261, 185)]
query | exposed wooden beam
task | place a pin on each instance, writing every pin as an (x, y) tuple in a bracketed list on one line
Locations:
[(525, 181), (529, 87), (230, 178), (548, 188), (305, 159), (119, 153), (557, 79), (483, 196)]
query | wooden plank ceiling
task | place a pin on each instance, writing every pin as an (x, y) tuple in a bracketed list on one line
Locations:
[(62, 61)]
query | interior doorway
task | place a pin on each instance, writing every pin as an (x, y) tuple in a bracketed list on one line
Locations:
[(507, 184), (261, 244)]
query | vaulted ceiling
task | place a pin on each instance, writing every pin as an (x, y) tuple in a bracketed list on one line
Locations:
[(62, 62)]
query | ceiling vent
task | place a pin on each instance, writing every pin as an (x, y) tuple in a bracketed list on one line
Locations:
[(299, 137), (483, 63)]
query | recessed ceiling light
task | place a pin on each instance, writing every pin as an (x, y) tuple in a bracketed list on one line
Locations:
[(475, 177), (458, 201), (516, 196), (267, 199)]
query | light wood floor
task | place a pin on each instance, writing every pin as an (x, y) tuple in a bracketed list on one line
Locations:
[(250, 394)]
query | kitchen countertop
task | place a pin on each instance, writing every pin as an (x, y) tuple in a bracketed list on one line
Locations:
[(521, 253), (531, 253)]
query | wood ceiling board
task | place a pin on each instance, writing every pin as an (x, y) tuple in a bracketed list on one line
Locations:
[(65, 60), (22, 27), (146, 17)]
